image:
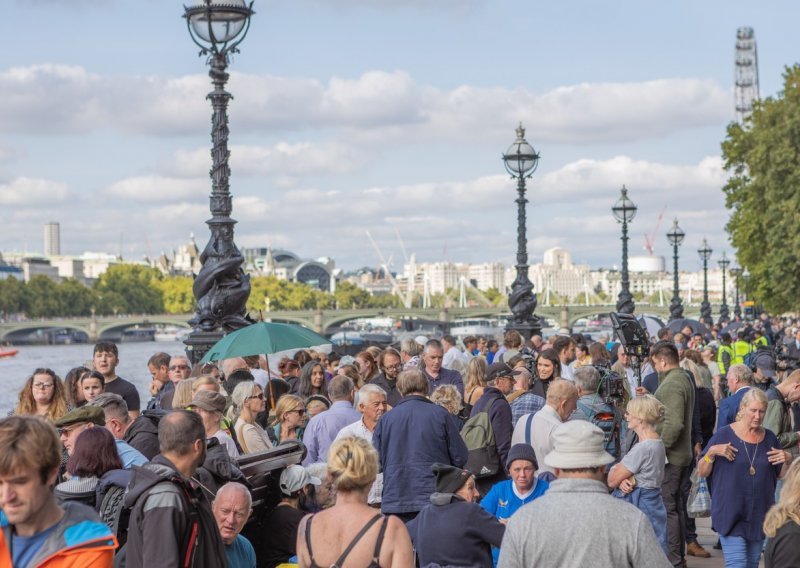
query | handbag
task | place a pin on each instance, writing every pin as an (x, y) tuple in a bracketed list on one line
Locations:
[(699, 504)]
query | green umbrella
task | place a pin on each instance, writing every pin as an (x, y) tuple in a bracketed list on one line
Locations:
[(263, 338)]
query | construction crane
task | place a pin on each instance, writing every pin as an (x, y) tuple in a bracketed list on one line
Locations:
[(650, 240), (385, 266)]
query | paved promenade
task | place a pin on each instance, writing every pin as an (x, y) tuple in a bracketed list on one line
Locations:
[(708, 539)]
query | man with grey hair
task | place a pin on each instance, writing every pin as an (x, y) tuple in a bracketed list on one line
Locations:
[(573, 504), (323, 428), (371, 405), (179, 370), (740, 380), (593, 408), (409, 353), (117, 422), (232, 507), (437, 375)]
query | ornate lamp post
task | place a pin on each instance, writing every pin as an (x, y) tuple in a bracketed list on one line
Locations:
[(724, 317), (675, 237), (705, 308), (624, 211), (737, 308), (221, 288), (520, 161)]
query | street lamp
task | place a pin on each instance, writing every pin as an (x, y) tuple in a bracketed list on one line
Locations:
[(737, 308), (746, 278), (675, 237), (624, 211), (221, 288), (724, 317), (520, 161), (705, 308)]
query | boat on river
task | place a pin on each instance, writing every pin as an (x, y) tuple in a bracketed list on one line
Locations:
[(8, 352)]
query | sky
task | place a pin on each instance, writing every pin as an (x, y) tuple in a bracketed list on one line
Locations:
[(387, 116)]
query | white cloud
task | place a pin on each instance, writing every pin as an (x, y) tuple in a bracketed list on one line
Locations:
[(32, 191), (376, 106), (158, 188)]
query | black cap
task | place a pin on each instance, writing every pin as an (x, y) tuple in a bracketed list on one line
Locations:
[(497, 370), (449, 479)]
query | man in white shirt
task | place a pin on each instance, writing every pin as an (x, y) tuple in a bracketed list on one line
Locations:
[(372, 405), (562, 400), (453, 358)]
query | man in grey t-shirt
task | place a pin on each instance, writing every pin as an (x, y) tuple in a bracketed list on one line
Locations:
[(610, 531)]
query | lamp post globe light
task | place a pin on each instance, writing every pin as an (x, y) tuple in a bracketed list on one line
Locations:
[(624, 211), (705, 308), (675, 237), (520, 161), (724, 316), (737, 308), (221, 288)]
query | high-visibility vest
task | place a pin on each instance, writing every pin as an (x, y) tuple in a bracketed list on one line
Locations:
[(721, 360), (740, 349), (761, 341)]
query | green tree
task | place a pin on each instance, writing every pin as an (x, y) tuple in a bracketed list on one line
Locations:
[(130, 288), (75, 298), (12, 296), (177, 295), (42, 298), (348, 295), (762, 158)]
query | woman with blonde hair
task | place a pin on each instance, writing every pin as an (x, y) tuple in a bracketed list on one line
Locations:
[(474, 382), (43, 395), (351, 532), (448, 397), (743, 462), (205, 382), (782, 525), (183, 394), (248, 401), (290, 414), (638, 477)]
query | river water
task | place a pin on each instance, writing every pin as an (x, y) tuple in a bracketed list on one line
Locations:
[(132, 366)]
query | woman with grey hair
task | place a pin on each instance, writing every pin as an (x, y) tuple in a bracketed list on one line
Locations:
[(248, 401), (448, 397)]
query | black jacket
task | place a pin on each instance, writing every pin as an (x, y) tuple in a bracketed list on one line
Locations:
[(218, 469), (493, 402), (452, 532), (393, 395), (143, 433), (163, 505)]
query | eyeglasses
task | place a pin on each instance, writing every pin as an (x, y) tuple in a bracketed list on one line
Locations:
[(68, 429), (177, 367), (301, 411), (43, 386), (397, 367), (259, 396)]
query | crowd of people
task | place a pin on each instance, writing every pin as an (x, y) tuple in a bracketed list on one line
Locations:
[(486, 454)]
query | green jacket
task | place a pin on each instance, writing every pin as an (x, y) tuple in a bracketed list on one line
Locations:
[(676, 393), (778, 420)]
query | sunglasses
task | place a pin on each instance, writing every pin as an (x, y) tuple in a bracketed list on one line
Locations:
[(259, 396), (299, 411), (177, 367)]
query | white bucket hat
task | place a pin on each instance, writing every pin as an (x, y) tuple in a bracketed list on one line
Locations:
[(578, 444)]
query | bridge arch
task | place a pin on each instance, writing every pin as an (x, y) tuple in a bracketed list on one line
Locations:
[(48, 333)]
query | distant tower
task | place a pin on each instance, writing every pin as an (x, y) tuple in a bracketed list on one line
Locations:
[(52, 239), (746, 72)]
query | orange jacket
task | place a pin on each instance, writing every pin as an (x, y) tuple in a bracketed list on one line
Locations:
[(79, 541)]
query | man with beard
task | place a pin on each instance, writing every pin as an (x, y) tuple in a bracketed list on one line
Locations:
[(390, 365), (171, 522)]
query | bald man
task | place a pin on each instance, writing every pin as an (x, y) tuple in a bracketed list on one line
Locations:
[(232, 507)]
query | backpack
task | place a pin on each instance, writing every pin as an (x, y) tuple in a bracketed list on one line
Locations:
[(608, 423), (478, 435), (750, 358), (114, 514)]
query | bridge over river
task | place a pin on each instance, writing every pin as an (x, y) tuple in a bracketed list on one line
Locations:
[(318, 320)]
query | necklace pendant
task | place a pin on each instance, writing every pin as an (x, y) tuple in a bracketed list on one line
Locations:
[(752, 470)]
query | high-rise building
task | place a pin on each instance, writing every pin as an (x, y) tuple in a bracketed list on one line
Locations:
[(52, 239)]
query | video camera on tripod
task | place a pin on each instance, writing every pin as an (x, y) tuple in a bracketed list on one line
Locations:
[(633, 339)]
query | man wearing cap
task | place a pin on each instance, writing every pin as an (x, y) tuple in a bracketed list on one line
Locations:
[(578, 503), (765, 370), (453, 530), (536, 429), (506, 497), (740, 380), (76, 421), (437, 375), (500, 382), (279, 534), (210, 405), (232, 507)]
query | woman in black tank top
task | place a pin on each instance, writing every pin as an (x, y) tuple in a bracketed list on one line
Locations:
[(350, 534)]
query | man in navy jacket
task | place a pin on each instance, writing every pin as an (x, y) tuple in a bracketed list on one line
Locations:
[(740, 380), (410, 438)]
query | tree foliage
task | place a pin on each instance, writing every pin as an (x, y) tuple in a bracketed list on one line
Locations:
[(762, 158)]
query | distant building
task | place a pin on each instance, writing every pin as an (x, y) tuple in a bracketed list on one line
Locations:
[(286, 265), (9, 271), (52, 239), (556, 274)]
